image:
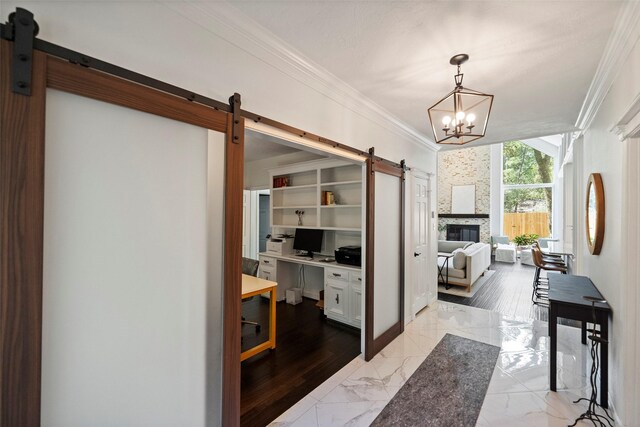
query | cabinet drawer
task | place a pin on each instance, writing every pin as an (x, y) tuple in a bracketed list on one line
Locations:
[(336, 274), (268, 269), (267, 262), (267, 275)]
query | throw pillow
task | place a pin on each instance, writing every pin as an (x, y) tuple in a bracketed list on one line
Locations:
[(459, 259)]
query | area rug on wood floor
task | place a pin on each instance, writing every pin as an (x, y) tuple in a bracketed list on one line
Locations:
[(447, 389), (462, 292)]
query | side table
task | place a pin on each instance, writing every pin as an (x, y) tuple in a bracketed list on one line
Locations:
[(441, 277)]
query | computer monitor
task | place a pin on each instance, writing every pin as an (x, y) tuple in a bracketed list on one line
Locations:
[(308, 240)]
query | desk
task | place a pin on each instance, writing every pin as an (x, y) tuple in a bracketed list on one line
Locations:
[(285, 269), (309, 261), (565, 300), (252, 286), (342, 284)]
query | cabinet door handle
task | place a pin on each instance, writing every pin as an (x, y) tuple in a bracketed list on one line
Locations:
[(359, 279), (337, 298), (266, 262), (337, 275)]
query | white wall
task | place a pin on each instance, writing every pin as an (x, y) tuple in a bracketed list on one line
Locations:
[(158, 40), (601, 151)]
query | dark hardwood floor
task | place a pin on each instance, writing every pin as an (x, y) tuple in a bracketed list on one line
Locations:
[(508, 292), (309, 350)]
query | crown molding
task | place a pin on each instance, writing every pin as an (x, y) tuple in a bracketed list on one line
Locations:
[(629, 124), (624, 35), (227, 22)]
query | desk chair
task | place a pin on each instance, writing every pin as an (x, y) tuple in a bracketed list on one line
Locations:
[(250, 267)]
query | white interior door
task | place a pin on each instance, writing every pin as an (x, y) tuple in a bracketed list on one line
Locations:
[(421, 292)]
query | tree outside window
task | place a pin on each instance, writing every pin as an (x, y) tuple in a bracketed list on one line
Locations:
[(528, 193)]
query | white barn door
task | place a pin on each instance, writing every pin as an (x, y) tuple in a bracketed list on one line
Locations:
[(132, 283), (384, 290)]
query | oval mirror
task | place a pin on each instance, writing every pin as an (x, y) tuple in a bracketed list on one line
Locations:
[(595, 213)]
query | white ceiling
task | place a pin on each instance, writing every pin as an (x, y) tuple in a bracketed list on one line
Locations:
[(259, 146), (537, 57)]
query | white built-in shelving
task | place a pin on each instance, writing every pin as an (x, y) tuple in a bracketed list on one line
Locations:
[(306, 183)]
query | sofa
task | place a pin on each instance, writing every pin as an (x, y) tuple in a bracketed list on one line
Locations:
[(470, 260)]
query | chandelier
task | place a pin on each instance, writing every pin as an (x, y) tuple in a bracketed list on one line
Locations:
[(462, 115)]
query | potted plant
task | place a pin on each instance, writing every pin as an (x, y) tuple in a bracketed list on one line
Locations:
[(442, 228), (525, 240)]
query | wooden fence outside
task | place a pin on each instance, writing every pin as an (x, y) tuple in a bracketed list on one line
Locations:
[(526, 223)]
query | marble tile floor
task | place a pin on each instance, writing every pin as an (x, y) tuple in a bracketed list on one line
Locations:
[(518, 393)]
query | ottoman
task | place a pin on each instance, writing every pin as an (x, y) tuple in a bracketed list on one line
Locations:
[(526, 257), (505, 253)]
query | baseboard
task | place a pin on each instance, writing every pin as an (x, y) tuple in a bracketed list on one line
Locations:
[(315, 295)]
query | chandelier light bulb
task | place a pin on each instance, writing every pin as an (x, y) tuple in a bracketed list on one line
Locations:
[(446, 120), (460, 116), (471, 118)]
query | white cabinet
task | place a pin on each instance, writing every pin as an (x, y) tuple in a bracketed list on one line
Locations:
[(343, 296), (268, 270)]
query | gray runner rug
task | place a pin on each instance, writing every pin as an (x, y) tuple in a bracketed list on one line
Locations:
[(447, 389)]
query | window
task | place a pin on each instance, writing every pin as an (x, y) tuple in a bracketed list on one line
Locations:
[(527, 178)]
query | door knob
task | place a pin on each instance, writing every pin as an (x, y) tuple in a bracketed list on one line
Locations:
[(416, 254)]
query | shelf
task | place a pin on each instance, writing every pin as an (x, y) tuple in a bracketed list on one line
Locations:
[(293, 187), (340, 206), (316, 228), (296, 207), (341, 173), (340, 183), (339, 229), (463, 215)]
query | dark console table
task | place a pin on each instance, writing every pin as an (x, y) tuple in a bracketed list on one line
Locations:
[(566, 300)]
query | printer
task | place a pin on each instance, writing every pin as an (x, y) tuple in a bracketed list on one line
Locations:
[(351, 255)]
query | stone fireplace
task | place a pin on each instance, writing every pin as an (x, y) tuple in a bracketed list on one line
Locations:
[(467, 166)]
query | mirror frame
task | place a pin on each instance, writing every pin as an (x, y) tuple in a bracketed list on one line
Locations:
[(595, 244)]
